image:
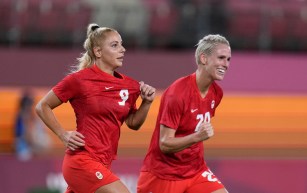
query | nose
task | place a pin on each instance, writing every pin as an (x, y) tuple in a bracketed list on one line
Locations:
[(123, 49), (226, 63)]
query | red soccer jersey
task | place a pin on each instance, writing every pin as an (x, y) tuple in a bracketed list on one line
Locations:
[(101, 103), (182, 108)]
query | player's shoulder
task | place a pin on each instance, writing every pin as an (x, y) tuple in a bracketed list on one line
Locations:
[(179, 87), (217, 89), (183, 79), (181, 82), (81, 73), (77, 77)]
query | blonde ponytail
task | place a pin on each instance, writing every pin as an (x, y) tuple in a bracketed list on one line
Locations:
[(95, 35)]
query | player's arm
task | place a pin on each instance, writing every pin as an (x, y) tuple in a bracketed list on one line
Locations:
[(171, 144), (44, 108), (135, 120)]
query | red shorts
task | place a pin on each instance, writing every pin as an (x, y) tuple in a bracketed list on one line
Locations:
[(204, 182), (83, 174)]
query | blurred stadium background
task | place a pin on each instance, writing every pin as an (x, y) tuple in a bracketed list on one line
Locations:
[(260, 144)]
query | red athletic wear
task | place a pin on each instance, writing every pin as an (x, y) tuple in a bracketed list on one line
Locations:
[(84, 174), (203, 182), (182, 108), (101, 103)]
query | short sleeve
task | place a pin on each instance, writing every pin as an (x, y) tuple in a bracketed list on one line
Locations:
[(171, 111), (67, 88), (218, 95)]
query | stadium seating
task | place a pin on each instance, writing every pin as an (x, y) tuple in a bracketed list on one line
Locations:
[(163, 19), (244, 22), (4, 19), (268, 24), (49, 22), (249, 24)]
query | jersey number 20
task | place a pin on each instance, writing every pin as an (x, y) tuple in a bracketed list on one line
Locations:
[(202, 118)]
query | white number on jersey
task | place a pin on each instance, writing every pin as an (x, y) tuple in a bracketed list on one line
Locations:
[(209, 175), (202, 118), (124, 95)]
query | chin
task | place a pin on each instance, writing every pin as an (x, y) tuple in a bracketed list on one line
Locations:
[(219, 78)]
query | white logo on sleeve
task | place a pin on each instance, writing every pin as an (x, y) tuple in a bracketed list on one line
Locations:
[(108, 87), (99, 175)]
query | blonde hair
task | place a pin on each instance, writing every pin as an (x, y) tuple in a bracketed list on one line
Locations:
[(95, 35), (207, 44)]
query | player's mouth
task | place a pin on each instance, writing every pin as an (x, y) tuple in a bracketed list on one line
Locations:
[(121, 58), (221, 71)]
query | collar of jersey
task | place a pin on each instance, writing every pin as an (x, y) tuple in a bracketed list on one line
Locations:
[(98, 70)]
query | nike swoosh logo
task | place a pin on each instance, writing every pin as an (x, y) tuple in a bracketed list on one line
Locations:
[(107, 88), (193, 110)]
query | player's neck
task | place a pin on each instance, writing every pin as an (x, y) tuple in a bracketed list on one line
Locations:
[(203, 83), (104, 68)]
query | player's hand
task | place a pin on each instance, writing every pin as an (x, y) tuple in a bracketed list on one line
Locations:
[(147, 92), (73, 140), (205, 131)]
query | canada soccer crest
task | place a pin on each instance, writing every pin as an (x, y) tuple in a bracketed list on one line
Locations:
[(212, 104)]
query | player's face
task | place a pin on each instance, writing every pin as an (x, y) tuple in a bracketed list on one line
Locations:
[(218, 62), (112, 51)]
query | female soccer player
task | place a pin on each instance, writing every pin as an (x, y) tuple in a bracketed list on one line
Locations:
[(102, 100), (175, 159)]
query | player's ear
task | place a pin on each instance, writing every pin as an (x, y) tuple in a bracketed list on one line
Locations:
[(97, 51), (203, 58)]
